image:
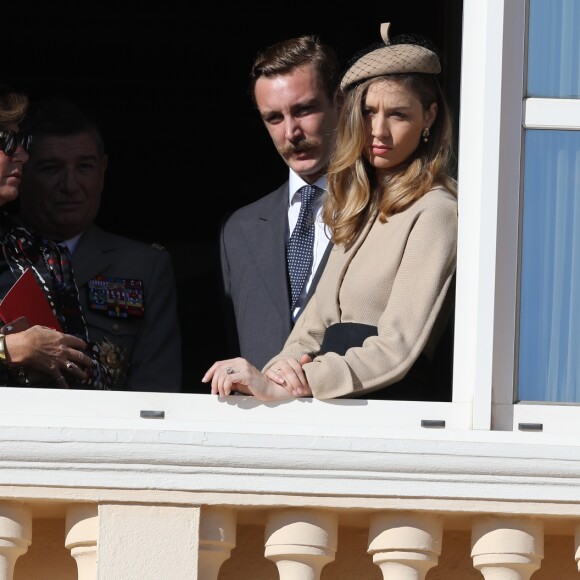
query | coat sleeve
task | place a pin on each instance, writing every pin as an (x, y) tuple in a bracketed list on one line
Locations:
[(225, 294)]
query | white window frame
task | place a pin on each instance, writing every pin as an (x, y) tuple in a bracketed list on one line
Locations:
[(490, 140), (493, 116)]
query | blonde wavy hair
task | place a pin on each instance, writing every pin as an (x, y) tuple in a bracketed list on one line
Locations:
[(354, 191), (13, 107)]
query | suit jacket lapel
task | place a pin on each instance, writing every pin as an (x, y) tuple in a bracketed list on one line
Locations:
[(266, 236)]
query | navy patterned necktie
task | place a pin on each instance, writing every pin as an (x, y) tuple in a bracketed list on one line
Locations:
[(301, 243)]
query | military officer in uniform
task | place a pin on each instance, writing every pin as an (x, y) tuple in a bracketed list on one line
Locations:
[(126, 287)]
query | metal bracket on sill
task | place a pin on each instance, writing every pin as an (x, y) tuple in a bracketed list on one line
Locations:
[(152, 414), (433, 423), (530, 426)]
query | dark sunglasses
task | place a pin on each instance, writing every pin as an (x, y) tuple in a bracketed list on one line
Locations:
[(10, 140)]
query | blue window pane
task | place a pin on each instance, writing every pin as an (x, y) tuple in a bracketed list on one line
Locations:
[(554, 49), (549, 337)]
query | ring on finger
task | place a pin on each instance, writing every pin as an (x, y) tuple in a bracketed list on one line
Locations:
[(230, 371), (70, 365), (276, 370)]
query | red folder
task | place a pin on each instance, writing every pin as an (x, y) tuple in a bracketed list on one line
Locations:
[(26, 298)]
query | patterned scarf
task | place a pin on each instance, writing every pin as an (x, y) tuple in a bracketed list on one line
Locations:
[(52, 267)]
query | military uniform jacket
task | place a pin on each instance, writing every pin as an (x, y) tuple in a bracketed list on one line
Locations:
[(396, 276), (151, 343)]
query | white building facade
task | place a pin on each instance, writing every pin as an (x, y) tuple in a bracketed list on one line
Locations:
[(139, 486)]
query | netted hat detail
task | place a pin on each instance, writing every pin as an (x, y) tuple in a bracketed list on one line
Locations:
[(391, 59)]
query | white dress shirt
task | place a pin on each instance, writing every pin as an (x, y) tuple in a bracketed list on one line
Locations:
[(72, 243)]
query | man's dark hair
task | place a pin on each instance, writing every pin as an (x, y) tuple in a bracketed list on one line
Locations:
[(284, 56), (58, 117)]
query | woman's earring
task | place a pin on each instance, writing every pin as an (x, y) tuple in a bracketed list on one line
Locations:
[(425, 134)]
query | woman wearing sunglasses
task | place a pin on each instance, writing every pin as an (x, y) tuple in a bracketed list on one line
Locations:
[(37, 355)]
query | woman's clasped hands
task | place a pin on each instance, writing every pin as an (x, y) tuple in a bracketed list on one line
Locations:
[(284, 380)]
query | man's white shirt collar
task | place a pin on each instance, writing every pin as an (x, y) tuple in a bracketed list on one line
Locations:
[(295, 182), (72, 243)]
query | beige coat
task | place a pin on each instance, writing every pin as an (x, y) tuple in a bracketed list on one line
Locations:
[(395, 277)]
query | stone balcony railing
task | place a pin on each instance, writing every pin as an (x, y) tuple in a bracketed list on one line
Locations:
[(123, 486)]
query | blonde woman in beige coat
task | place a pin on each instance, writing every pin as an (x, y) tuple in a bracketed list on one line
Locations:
[(372, 327)]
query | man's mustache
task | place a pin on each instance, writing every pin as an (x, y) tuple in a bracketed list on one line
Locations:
[(291, 148)]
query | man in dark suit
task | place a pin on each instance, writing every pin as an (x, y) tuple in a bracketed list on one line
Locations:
[(126, 288), (294, 84)]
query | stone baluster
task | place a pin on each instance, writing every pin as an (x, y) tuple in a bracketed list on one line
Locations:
[(15, 536), (81, 534), (301, 542), (217, 539), (507, 548), (405, 546)]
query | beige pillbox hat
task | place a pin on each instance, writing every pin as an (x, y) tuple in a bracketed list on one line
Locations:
[(391, 59)]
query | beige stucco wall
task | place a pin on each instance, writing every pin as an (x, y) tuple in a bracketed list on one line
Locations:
[(47, 558), (147, 542)]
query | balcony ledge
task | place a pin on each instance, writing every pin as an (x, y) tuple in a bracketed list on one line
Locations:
[(297, 449)]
